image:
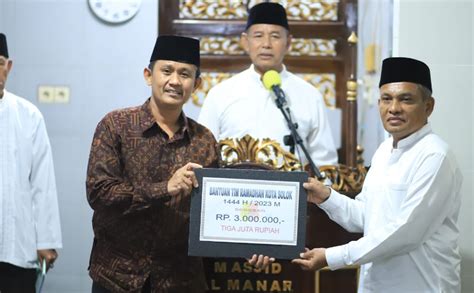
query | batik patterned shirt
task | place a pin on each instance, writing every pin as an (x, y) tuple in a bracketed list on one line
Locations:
[(140, 230)]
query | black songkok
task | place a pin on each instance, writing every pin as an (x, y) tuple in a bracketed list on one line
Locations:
[(3, 46), (176, 48), (401, 69), (267, 13)]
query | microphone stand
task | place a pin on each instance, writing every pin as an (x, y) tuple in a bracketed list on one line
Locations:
[(285, 110)]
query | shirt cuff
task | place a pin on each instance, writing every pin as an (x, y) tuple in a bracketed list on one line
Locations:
[(146, 196), (49, 245), (158, 190), (335, 257), (334, 202)]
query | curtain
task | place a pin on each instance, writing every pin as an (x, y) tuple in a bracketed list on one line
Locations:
[(375, 29)]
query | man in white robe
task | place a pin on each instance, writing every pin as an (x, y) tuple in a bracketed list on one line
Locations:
[(29, 216), (242, 105), (409, 205)]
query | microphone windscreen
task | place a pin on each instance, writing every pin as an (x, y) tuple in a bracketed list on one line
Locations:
[(270, 79)]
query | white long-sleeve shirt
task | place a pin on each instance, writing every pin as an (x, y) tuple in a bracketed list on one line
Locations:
[(29, 214), (241, 105), (408, 211)]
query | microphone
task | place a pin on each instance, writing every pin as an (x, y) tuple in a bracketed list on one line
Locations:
[(272, 81)]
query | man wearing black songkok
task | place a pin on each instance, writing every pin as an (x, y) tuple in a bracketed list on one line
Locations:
[(30, 229), (242, 105), (139, 179), (409, 205)]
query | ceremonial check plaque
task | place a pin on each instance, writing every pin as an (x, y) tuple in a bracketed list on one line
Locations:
[(238, 213)]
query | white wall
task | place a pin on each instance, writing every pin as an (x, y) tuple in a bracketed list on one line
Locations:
[(60, 42), (440, 32)]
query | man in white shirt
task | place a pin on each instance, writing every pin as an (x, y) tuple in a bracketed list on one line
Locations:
[(409, 205), (29, 216), (242, 105)]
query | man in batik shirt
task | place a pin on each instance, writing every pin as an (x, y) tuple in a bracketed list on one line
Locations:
[(140, 177)]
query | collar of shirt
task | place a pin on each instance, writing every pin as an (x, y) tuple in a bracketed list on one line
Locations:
[(414, 137), (258, 78), (3, 100), (149, 122)]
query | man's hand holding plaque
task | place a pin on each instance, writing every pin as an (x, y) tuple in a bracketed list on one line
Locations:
[(313, 259), (238, 212)]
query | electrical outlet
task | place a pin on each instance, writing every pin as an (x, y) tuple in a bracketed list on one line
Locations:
[(46, 94), (61, 94)]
